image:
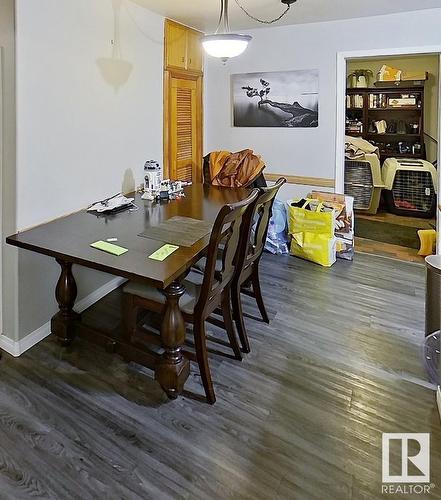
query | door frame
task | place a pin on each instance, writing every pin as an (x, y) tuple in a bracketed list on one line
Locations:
[(1, 186), (342, 58)]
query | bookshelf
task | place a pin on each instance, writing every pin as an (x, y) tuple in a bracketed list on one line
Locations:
[(391, 118)]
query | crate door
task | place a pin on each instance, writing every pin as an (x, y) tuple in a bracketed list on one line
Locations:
[(359, 183), (184, 130)]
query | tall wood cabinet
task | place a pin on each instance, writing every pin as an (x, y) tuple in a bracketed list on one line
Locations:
[(183, 75)]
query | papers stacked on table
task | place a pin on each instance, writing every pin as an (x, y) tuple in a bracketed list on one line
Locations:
[(108, 205)]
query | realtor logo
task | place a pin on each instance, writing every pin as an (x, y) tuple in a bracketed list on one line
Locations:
[(414, 466)]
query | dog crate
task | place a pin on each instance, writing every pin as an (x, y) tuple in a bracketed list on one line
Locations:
[(363, 181), (410, 187)]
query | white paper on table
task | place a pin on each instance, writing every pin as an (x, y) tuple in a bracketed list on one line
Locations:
[(110, 204)]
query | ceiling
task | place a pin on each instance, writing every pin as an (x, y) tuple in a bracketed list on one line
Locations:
[(203, 14)]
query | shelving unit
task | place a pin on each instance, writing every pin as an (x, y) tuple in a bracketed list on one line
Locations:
[(374, 105)]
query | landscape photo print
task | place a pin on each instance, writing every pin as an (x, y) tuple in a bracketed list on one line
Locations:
[(277, 99)]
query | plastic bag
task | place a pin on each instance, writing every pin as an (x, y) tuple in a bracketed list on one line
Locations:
[(277, 240), (315, 220), (312, 225), (318, 248)]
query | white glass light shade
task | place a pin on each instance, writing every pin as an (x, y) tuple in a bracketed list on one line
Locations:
[(225, 45)]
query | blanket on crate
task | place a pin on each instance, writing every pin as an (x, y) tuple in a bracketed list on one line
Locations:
[(356, 148)]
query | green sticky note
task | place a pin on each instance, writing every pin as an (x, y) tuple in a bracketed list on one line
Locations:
[(109, 248), (163, 252)]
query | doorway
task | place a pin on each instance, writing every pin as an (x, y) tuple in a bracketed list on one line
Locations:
[(391, 129), (1, 189)]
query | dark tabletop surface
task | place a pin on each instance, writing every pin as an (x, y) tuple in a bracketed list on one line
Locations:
[(69, 237)]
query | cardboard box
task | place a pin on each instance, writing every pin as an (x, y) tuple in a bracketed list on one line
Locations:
[(414, 75)]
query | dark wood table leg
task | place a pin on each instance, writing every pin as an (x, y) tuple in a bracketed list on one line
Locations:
[(172, 369), (62, 324)]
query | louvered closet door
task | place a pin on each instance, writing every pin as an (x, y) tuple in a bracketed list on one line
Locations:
[(184, 129)]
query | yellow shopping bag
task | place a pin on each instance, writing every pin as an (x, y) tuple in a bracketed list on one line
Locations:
[(318, 248), (302, 220)]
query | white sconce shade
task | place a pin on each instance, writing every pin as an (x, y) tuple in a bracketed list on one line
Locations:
[(225, 45)]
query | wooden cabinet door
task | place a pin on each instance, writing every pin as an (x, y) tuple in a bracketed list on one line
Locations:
[(185, 132), (175, 45), (194, 51)]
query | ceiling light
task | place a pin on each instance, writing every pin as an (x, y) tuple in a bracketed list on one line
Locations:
[(224, 44)]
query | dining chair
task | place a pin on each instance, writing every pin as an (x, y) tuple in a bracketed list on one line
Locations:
[(249, 274), (204, 293)]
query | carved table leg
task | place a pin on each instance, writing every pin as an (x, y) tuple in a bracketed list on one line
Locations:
[(172, 370), (62, 324)]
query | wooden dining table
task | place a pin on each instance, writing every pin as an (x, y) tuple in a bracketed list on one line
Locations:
[(68, 240)]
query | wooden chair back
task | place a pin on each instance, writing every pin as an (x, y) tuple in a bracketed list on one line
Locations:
[(261, 218), (226, 240)]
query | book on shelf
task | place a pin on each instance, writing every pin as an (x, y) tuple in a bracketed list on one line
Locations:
[(398, 102), (380, 100), (354, 127), (377, 101), (354, 101)]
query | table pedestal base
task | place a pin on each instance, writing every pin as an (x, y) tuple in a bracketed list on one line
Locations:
[(63, 323), (172, 369)]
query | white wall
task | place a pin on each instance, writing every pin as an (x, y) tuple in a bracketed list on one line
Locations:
[(77, 137), (76, 134), (7, 162), (304, 152)]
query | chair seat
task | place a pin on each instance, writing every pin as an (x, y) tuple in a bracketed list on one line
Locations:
[(187, 302)]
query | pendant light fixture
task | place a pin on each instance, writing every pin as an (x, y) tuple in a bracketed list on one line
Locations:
[(224, 44)]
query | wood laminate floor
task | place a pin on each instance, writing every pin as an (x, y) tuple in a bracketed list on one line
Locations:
[(363, 245), (301, 417), (402, 220)]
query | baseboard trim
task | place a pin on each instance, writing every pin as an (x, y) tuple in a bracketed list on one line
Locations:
[(301, 180), (9, 346), (17, 348)]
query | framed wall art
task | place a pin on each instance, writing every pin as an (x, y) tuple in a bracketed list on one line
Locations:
[(277, 99)]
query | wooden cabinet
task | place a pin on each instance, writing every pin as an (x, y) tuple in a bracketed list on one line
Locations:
[(175, 45), (182, 103), (194, 51), (183, 48)]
